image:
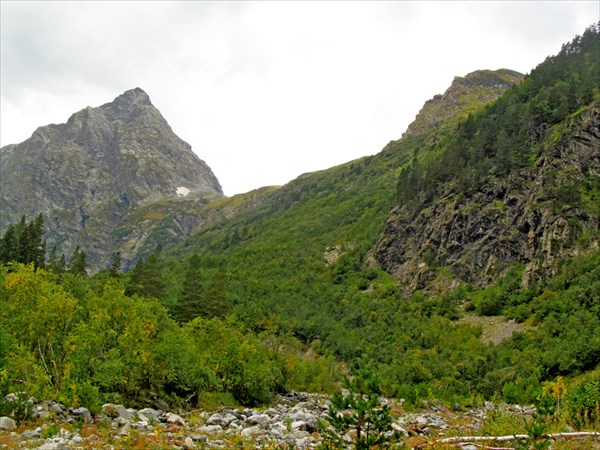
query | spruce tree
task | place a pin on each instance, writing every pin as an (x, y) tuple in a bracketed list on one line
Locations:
[(146, 278), (9, 245), (360, 410), (115, 267), (78, 264), (24, 243), (192, 297)]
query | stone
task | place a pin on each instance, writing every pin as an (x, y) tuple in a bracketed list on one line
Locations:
[(55, 408), (258, 419), (112, 410), (216, 419), (175, 419), (149, 414), (252, 431), (197, 437), (125, 430), (7, 424), (210, 429), (15, 396), (84, 413), (271, 412), (229, 418), (32, 434), (298, 425), (53, 446)]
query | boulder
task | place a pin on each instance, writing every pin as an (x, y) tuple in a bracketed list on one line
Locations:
[(114, 411), (175, 419), (83, 413), (8, 424)]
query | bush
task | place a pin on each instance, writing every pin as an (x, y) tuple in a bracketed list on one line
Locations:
[(583, 403)]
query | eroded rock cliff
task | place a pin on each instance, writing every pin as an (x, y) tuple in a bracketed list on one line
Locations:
[(534, 216)]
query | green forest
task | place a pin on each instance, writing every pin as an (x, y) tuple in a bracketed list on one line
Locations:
[(283, 297)]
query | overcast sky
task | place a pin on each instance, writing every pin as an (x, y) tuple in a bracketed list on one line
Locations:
[(265, 91)]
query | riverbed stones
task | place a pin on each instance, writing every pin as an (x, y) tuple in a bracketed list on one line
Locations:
[(286, 424)]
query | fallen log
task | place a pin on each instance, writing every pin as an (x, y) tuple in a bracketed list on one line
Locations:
[(512, 437)]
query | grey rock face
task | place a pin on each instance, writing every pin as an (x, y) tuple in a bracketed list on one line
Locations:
[(87, 175), (511, 219)]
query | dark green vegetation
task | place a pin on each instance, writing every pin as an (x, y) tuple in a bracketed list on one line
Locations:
[(83, 341), (361, 411), (243, 307), (24, 243)]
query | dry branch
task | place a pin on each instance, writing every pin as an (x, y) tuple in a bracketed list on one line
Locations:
[(470, 439)]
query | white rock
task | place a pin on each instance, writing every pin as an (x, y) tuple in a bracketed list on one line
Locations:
[(175, 419), (182, 191), (252, 431), (210, 429), (8, 424), (258, 419), (298, 425)]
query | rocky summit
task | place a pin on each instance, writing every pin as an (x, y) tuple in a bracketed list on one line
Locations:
[(465, 94), (87, 175)]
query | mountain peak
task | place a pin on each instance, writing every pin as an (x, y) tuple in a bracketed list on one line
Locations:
[(136, 96), (464, 95), (87, 175)]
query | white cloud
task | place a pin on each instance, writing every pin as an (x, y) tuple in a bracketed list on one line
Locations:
[(264, 91)]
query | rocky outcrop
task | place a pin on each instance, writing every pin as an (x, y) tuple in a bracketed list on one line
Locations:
[(534, 217), (464, 95), (87, 175)]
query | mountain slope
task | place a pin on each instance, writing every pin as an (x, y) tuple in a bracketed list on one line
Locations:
[(299, 256), (86, 175), (516, 183), (459, 209)]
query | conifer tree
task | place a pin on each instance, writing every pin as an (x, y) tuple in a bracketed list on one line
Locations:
[(78, 264), (216, 297), (146, 278), (9, 245), (191, 299), (360, 410), (115, 266), (24, 242)]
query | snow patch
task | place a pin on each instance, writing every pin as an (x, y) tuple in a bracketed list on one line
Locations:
[(182, 191)]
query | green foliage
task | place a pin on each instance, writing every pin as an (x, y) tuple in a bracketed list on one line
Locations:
[(78, 264), (273, 298), (56, 264), (583, 402), (24, 243), (115, 266), (358, 410), (146, 278), (86, 343)]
